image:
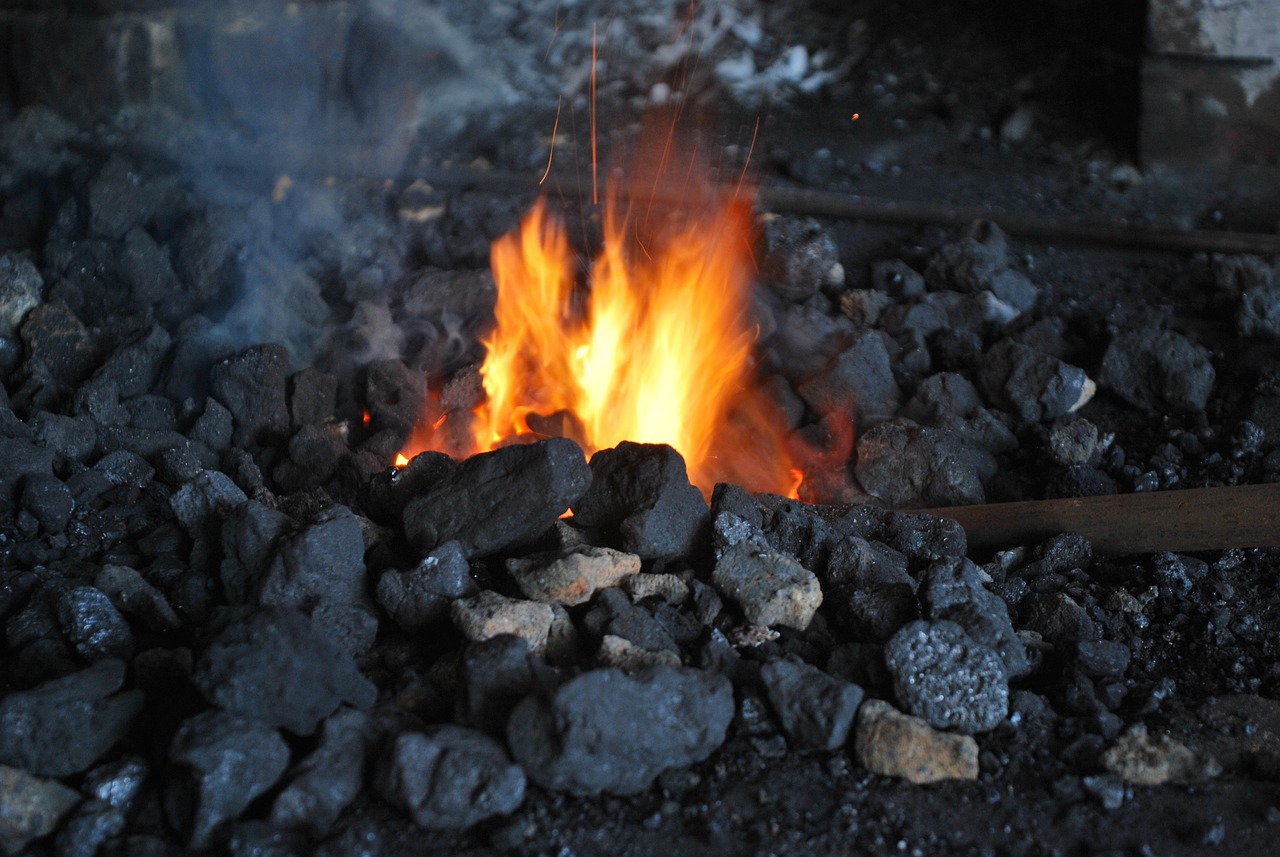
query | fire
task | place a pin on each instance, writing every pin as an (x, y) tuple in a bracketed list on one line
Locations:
[(658, 348)]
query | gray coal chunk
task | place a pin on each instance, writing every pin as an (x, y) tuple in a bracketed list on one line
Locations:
[(252, 385), (202, 504), (1259, 314), (907, 465), (73, 437), (146, 267), (34, 807), (54, 335), (895, 277), (422, 595), (816, 709), (980, 262), (22, 458), (1031, 384), (325, 783), (1056, 617), (947, 400), (225, 761), (449, 777), (88, 828), (799, 257), (493, 676), (873, 612), (280, 668), (1152, 369), (47, 499), (395, 395), (65, 725), (249, 536), (640, 494), (855, 561), (499, 500), (21, 287), (312, 397), (92, 625), (941, 675), (214, 426), (1102, 658), (606, 731), (118, 199), (770, 588), (952, 589), (136, 365), (1179, 573), (920, 537), (859, 381), (614, 614)]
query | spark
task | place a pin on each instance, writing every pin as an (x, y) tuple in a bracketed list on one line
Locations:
[(750, 150), (555, 31), (855, 117), (555, 126)]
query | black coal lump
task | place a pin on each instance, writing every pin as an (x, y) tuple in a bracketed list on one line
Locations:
[(63, 726), (395, 395), (135, 366), (501, 499), (449, 777), (92, 625), (872, 612), (493, 676), (943, 676), (329, 778), (907, 465), (953, 589), (1056, 617), (854, 561), (816, 709), (641, 494), (145, 266), (252, 386), (47, 499), (612, 612), (1030, 383), (857, 381), (1177, 572), (53, 335), (312, 397), (1152, 368), (278, 667), (223, 762), (249, 536), (422, 595), (605, 731)]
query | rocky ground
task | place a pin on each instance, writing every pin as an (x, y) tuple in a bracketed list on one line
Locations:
[(229, 626)]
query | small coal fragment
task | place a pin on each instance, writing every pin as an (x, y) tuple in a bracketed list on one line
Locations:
[(770, 588), (489, 614), (315, 451), (1032, 384), (605, 731), (280, 668), (450, 777), (325, 783), (422, 595), (202, 504), (641, 494), (63, 726), (1151, 368), (1179, 573), (980, 262), (1056, 617), (135, 366), (1142, 760), (47, 499), (118, 199), (21, 287), (613, 614), (1259, 313), (799, 258), (856, 562), (93, 626), (952, 589), (227, 761), (573, 577), (947, 400), (1102, 658), (252, 385), (898, 279), (52, 334), (501, 499), (857, 381), (906, 465), (146, 267), (943, 676), (249, 536), (493, 676), (873, 612), (33, 807), (88, 828), (894, 744), (816, 709)]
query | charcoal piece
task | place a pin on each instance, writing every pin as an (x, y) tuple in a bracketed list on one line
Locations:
[(1151, 369), (249, 535), (422, 595), (135, 366), (897, 278), (225, 762), (130, 593), (493, 676), (145, 266), (152, 413), (1056, 617), (312, 397), (252, 387), (816, 709), (605, 731), (799, 257), (499, 500), (873, 612), (952, 589), (640, 493), (1102, 658), (1031, 384), (915, 322), (941, 675), (280, 668), (389, 492), (315, 451), (396, 396), (33, 808), (980, 262), (21, 288), (49, 501), (1179, 573), (74, 438), (180, 464), (449, 777), (854, 561), (859, 381), (770, 588), (325, 783), (63, 726), (1259, 314), (613, 614), (321, 569), (93, 626), (202, 504), (52, 334), (906, 465)]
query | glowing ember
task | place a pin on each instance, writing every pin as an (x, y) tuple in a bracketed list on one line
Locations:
[(658, 350)]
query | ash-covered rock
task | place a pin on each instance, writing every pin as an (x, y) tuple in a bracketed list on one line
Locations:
[(770, 588), (1152, 368), (574, 577), (1032, 384), (898, 745)]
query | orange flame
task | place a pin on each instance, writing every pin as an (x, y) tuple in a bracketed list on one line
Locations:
[(658, 350)]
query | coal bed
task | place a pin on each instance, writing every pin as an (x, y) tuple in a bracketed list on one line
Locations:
[(268, 588)]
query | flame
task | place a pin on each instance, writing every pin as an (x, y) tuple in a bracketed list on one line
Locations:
[(658, 348)]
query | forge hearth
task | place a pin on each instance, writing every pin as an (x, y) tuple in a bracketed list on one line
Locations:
[(258, 596)]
